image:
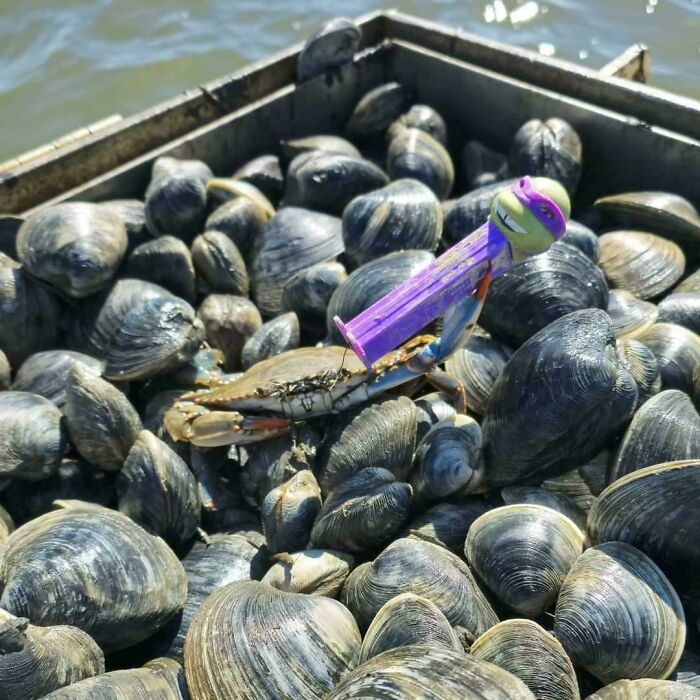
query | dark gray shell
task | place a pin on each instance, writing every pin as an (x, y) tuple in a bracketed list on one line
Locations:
[(630, 316), (482, 165), (331, 46), (240, 218), (328, 143), (544, 497), (48, 574), (558, 400), (237, 645), (132, 212), (683, 309), (678, 352), (46, 373), (432, 408), (165, 261), (75, 246), (371, 282), (646, 689), (411, 565), (541, 289), (642, 364), (228, 323), (33, 436), (403, 215), (292, 240), (273, 338), (424, 118), (313, 571), (265, 173), (550, 148), (219, 265), (5, 372), (584, 483), (415, 154), (156, 489), (377, 110), (583, 238), (327, 182)]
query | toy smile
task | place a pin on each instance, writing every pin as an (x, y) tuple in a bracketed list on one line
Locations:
[(508, 221)]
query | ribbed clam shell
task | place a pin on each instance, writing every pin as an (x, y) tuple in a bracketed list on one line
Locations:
[(265, 173), (523, 553), (329, 143), (424, 118), (94, 569), (678, 352), (646, 689), (532, 654), (534, 495), (414, 566), (448, 460), (413, 153), (46, 373), (331, 46), (165, 261), (313, 571), (404, 620), (288, 512), (377, 110), (540, 290), (292, 240), (240, 219), (362, 513), (431, 408), (681, 308), (403, 215), (156, 489), (642, 364), (327, 182), (102, 423), (381, 435), (581, 237), (219, 264), (666, 428), (618, 616), (251, 641), (273, 338), (33, 436), (631, 316), (371, 282), (429, 673), (559, 398), (654, 509), (482, 165), (5, 372), (75, 246), (549, 148)]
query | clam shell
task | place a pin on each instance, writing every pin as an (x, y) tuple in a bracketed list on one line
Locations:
[(377, 110), (532, 654), (5, 372), (581, 237), (264, 173), (631, 316), (328, 143), (645, 689), (689, 284), (533, 495), (424, 118), (240, 219), (523, 553), (618, 616), (219, 264), (642, 364), (238, 646), (273, 338), (132, 212), (678, 352), (482, 165), (681, 308), (314, 571), (331, 46), (225, 189), (431, 408), (582, 484)]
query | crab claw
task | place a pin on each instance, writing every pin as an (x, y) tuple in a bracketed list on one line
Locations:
[(205, 428)]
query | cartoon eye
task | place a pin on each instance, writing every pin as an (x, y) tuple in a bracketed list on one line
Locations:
[(547, 212)]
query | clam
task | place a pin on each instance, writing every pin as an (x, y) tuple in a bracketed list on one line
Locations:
[(132, 212), (448, 460), (273, 338), (429, 673), (219, 264), (251, 641), (381, 435), (371, 282), (477, 365), (689, 284), (165, 261), (482, 165), (76, 247), (36, 660), (681, 308), (292, 240), (377, 110), (156, 489), (102, 423), (541, 289), (331, 46), (5, 372), (362, 513), (176, 198), (241, 219), (264, 173), (327, 143), (415, 154), (557, 402), (404, 620), (404, 214), (582, 484), (427, 570), (581, 237), (646, 689), (221, 190), (642, 263), (327, 182), (688, 669), (7, 525), (49, 575), (642, 364), (288, 512), (229, 321), (421, 117), (32, 436), (523, 553), (46, 373), (678, 352), (618, 616), (537, 496), (549, 148), (313, 571), (630, 315), (432, 408), (532, 654)]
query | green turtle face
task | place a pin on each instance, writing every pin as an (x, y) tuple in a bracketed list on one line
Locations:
[(532, 215)]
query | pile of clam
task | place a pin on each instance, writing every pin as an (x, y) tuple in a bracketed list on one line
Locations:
[(543, 545)]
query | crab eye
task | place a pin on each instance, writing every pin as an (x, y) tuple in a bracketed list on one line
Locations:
[(547, 212)]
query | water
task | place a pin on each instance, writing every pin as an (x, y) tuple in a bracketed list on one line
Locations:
[(67, 63)]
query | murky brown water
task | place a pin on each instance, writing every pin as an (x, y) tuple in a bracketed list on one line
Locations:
[(66, 63)]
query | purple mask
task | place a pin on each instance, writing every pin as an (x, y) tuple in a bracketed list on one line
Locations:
[(545, 209)]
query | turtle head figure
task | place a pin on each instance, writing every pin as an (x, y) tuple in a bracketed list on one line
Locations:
[(531, 215)]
